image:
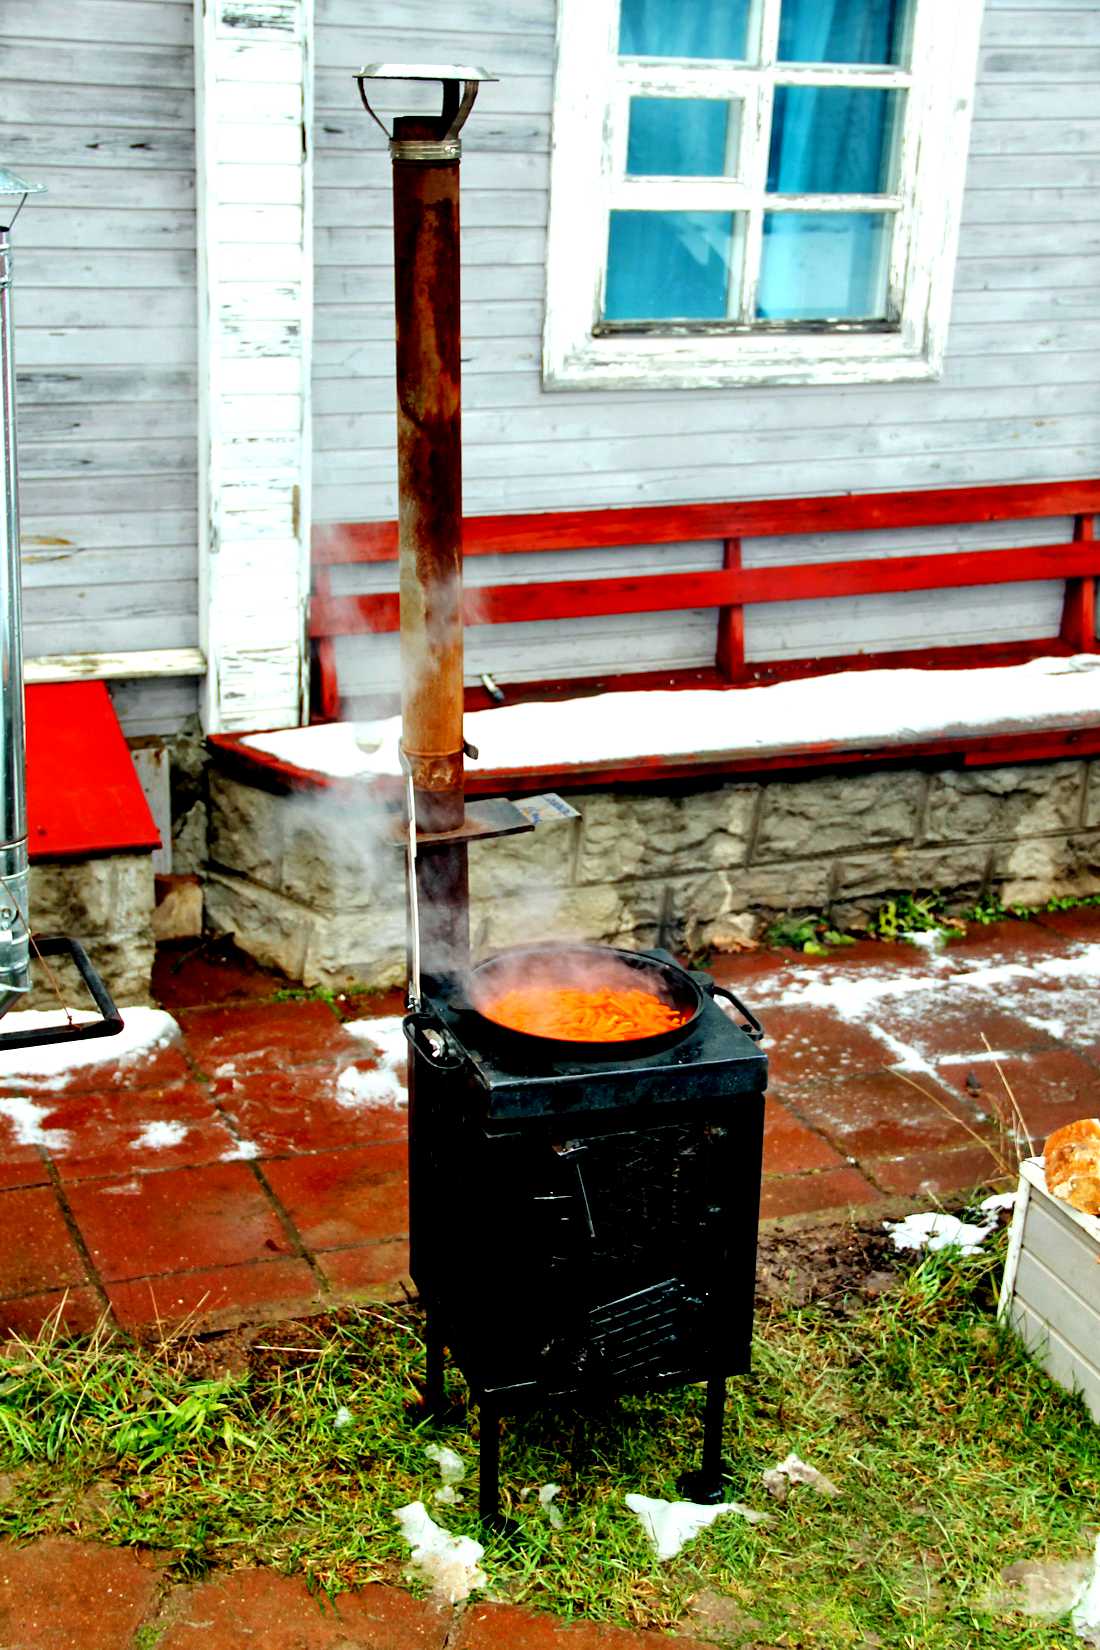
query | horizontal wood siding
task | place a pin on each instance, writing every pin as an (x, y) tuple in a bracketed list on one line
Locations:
[(96, 103), (1018, 400), (1056, 1297)]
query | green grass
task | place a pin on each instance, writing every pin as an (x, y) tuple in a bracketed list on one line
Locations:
[(955, 1457)]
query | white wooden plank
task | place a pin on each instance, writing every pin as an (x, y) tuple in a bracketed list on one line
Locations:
[(1024, 102), (161, 707), (107, 458), (116, 632), (256, 303), (143, 664), (414, 17), (1049, 204), (116, 189), (77, 346), (88, 307), (105, 21), (66, 386), (105, 270), (1032, 171), (98, 147), (75, 531), (101, 105), (1031, 138), (49, 568), (138, 231), (1054, 1355), (119, 65)]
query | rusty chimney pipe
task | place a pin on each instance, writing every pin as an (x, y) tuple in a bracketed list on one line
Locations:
[(426, 153)]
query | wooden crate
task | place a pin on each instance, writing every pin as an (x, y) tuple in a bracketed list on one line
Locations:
[(1051, 1288)]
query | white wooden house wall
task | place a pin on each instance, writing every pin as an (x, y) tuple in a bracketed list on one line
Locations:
[(1017, 402), (96, 101)]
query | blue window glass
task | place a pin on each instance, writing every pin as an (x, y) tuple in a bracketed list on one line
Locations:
[(682, 137), (832, 140), (824, 266), (842, 31), (684, 28), (671, 266)]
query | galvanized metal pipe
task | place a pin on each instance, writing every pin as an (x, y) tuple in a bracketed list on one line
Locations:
[(14, 874)]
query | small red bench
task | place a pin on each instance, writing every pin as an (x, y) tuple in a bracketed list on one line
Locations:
[(731, 589)]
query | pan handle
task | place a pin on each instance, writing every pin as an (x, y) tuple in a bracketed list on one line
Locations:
[(429, 1040), (752, 1028)]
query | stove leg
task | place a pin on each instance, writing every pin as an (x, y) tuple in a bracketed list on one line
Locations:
[(435, 1401), (489, 1468), (705, 1484)]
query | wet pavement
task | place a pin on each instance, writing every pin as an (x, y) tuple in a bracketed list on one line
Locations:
[(254, 1167)]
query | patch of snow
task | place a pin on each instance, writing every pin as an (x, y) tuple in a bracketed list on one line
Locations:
[(449, 1563), (906, 1058), (144, 1031), (936, 1231), (1084, 964), (125, 1188), (670, 1524), (793, 1470), (342, 1418), (546, 1502), (379, 1087), (998, 1201), (158, 1134), (27, 1119), (452, 1468), (386, 1035), (240, 1149), (857, 709)]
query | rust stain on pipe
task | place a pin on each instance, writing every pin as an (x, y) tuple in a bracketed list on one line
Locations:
[(429, 459)]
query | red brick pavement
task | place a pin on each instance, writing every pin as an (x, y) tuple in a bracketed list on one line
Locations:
[(228, 1178)]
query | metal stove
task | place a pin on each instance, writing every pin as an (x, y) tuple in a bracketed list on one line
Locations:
[(583, 1221)]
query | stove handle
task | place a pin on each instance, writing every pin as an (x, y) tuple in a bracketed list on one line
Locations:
[(753, 1028), (423, 1031)]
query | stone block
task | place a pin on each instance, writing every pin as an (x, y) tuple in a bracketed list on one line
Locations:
[(625, 913), (1042, 868), (865, 880), (93, 896), (985, 803), (246, 828), (808, 817), (339, 855), (542, 858), (729, 907), (1092, 796), (178, 913), (364, 948), (627, 836), (189, 840), (266, 925)]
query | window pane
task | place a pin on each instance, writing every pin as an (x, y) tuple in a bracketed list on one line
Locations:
[(672, 266), (682, 137), (683, 28), (842, 31), (824, 266), (832, 140)]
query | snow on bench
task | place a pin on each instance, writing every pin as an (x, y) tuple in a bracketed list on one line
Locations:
[(1045, 708)]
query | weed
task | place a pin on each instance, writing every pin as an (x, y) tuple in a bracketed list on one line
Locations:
[(952, 1451), (811, 934)]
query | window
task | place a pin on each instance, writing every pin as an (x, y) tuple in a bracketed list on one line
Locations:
[(755, 191)]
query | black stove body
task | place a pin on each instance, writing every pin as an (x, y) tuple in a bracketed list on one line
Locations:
[(584, 1226)]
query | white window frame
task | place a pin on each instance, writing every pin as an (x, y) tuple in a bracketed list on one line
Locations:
[(593, 87)]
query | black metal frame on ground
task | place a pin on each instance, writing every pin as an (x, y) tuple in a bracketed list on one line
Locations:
[(76, 1031)]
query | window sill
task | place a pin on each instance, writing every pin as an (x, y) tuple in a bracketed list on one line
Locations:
[(716, 361)]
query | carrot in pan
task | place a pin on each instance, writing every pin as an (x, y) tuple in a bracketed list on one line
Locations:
[(601, 1015)]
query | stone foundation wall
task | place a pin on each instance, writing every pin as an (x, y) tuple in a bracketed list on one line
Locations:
[(310, 885), (107, 904)]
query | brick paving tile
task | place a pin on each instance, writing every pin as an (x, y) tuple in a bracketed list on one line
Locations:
[(807, 1043), (121, 1131), (1051, 1088), (374, 1271), (58, 1594), (283, 1112), (952, 1021), (790, 1147), (78, 1310), (176, 1221), (1012, 941), (219, 1297), (186, 975), (340, 1199), (1080, 923), (161, 1068), (268, 1036), (275, 1612), (36, 1251), (883, 1115), (807, 1194), (933, 1173), (21, 1165), (506, 1627)]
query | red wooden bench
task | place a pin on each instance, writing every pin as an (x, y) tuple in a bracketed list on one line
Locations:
[(734, 587), (730, 590)]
